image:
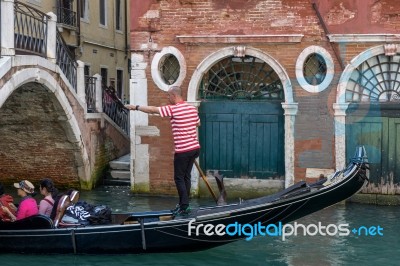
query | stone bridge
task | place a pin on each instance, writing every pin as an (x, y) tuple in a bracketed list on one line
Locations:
[(54, 121)]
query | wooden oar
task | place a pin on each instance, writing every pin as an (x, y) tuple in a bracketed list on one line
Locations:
[(205, 180)]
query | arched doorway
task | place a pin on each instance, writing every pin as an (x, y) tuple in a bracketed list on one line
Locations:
[(288, 106), (371, 96), (242, 125)]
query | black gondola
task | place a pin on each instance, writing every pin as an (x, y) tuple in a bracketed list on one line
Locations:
[(204, 228)]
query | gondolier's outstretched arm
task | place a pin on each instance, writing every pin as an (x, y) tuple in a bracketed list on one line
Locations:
[(145, 109)]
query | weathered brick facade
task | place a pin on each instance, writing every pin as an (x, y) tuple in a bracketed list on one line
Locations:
[(160, 23)]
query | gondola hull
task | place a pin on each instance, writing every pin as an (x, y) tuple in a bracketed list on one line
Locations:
[(159, 231)]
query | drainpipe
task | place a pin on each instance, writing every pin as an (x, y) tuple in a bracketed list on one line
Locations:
[(78, 24), (126, 28), (321, 20)]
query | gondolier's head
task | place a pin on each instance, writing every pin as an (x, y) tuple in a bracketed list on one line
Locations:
[(26, 186), (174, 94)]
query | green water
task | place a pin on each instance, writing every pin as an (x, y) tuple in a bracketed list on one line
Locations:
[(264, 250)]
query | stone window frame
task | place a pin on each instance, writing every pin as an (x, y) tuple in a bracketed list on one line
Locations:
[(330, 69), (155, 69)]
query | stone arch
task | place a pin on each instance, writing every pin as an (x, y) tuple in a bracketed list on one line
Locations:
[(37, 75), (340, 107), (289, 106)]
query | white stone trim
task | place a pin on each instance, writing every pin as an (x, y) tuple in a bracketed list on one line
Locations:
[(5, 65), (155, 67), (256, 38), (363, 38), (330, 69), (289, 105)]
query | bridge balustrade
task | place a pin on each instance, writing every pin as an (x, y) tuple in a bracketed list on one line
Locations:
[(30, 30), (35, 33), (66, 60), (115, 109)]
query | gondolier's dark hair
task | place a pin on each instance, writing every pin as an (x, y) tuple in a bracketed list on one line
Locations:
[(1, 189)]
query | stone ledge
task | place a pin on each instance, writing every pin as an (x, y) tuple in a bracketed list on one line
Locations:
[(362, 38), (149, 131), (376, 199), (267, 38)]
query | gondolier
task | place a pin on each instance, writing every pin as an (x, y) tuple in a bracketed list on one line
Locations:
[(184, 122)]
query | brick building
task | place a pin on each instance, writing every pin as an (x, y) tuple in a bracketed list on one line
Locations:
[(285, 88)]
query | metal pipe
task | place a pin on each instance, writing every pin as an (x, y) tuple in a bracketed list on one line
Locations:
[(321, 20)]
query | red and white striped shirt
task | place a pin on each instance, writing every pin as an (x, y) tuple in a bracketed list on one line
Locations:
[(184, 121)]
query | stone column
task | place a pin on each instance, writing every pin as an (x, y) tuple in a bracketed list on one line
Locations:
[(7, 28), (99, 94), (52, 37), (340, 134), (290, 117), (140, 175), (80, 82)]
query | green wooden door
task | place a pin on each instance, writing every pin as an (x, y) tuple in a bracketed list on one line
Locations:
[(380, 137), (242, 139), (394, 151), (370, 132)]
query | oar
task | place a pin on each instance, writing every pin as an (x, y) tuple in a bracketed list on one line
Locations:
[(206, 181)]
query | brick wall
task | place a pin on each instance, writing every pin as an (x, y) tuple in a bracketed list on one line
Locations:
[(314, 129)]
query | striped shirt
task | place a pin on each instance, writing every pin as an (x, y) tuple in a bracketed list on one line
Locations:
[(184, 121)]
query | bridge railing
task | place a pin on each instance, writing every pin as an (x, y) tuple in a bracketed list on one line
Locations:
[(30, 29), (66, 60), (115, 109), (90, 93)]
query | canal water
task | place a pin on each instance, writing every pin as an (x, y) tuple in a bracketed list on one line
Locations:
[(375, 240)]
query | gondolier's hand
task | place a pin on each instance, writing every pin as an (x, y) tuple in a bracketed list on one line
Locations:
[(132, 107)]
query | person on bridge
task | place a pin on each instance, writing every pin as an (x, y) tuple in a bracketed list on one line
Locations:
[(184, 121)]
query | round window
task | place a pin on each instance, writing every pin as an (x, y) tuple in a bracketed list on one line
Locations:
[(314, 69), (168, 68)]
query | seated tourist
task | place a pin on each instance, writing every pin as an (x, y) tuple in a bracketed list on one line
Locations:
[(50, 193), (28, 205), (6, 206)]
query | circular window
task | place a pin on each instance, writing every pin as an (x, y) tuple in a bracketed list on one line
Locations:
[(314, 69), (168, 68)]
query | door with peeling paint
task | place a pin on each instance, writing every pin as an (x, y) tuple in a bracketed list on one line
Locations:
[(381, 137)]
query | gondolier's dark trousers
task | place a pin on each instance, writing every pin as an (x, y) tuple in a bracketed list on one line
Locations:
[(183, 164)]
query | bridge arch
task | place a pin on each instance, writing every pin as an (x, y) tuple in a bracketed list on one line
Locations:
[(41, 77)]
